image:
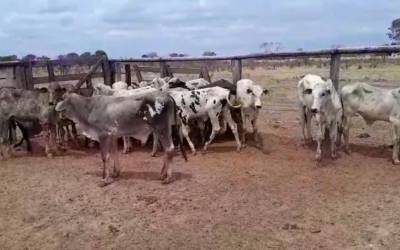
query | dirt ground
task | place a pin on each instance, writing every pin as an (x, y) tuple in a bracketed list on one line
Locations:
[(278, 198)]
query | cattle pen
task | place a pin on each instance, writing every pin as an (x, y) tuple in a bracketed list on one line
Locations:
[(276, 198), (111, 69)]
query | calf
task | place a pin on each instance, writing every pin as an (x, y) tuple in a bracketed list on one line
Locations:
[(105, 118), (28, 127), (203, 104), (319, 98), (372, 104), (249, 95)]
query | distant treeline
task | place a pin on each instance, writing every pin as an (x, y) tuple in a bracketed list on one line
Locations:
[(67, 59)]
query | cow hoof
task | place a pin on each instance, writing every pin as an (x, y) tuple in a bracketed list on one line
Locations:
[(347, 151), (153, 154), (318, 157), (105, 182), (334, 156), (50, 155), (395, 162), (167, 180), (116, 174), (163, 176)]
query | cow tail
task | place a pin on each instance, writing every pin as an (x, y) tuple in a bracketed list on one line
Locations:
[(230, 104), (176, 131)]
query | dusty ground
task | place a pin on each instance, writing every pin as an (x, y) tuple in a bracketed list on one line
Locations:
[(276, 199)]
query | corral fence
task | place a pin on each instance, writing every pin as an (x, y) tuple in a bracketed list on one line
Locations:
[(111, 69)]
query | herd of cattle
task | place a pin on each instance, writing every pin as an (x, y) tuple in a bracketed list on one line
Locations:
[(168, 109)]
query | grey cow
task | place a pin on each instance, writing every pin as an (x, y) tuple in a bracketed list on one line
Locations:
[(106, 118), (27, 104)]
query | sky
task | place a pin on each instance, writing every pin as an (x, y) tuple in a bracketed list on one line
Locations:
[(130, 28)]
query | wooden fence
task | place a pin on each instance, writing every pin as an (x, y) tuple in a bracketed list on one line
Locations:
[(111, 70)]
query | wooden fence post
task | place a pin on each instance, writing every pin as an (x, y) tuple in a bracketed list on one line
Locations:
[(138, 74), (128, 78), (20, 76), (164, 70), (204, 73), (106, 71), (50, 71), (236, 70), (116, 71), (334, 70), (28, 76)]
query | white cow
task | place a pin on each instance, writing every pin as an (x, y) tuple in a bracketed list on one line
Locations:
[(249, 95), (319, 98), (120, 85), (203, 104), (373, 104)]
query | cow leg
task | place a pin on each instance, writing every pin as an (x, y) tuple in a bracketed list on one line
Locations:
[(227, 117), (215, 127), (105, 147), (243, 134), (333, 137), (303, 121), (396, 141), (320, 137), (202, 126), (308, 125), (50, 136), (69, 136), (346, 133), (168, 145), (155, 145), (114, 153), (185, 132), (127, 144)]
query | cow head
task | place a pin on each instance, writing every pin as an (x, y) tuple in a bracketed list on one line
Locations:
[(55, 93), (160, 84), (65, 106), (250, 94), (321, 94)]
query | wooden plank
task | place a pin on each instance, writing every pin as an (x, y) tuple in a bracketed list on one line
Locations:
[(204, 73), (28, 76), (236, 70), (89, 84), (20, 77), (164, 72), (62, 78), (312, 53), (117, 71), (106, 71), (149, 69), (128, 78), (185, 70), (89, 74), (50, 71), (334, 70)]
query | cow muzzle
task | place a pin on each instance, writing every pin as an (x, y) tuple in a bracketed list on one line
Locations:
[(314, 111), (258, 106)]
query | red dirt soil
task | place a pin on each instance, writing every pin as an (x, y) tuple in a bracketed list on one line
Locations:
[(277, 199)]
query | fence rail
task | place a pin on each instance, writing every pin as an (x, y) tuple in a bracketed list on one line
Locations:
[(111, 70)]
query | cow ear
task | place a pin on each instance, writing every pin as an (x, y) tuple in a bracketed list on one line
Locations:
[(307, 91), (249, 91), (265, 91)]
